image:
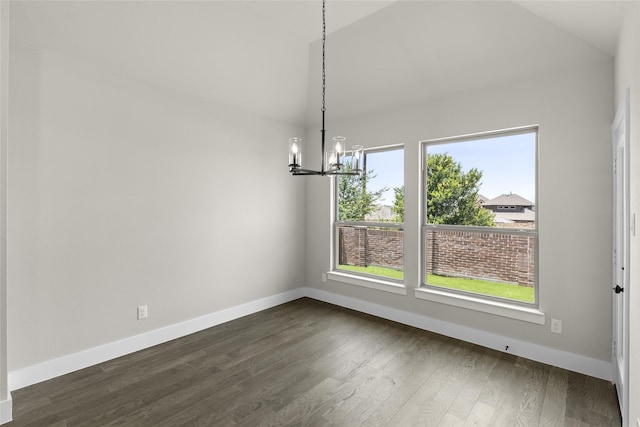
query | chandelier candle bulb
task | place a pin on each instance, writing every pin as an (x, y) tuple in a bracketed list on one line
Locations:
[(356, 152), (295, 156), (339, 145), (331, 163)]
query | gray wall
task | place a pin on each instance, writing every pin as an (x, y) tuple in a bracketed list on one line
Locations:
[(574, 108), (123, 193)]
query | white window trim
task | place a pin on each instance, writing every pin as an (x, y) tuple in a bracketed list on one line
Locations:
[(483, 303), (504, 309), (354, 278), (368, 282)]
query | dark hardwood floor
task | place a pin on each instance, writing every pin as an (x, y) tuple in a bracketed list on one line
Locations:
[(311, 363)]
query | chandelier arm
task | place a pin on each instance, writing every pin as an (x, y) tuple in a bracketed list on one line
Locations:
[(307, 172)]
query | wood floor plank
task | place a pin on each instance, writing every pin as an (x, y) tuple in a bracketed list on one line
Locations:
[(533, 395), (309, 363), (555, 397), (390, 404), (431, 401), (476, 382), (480, 416), (450, 420), (408, 359), (301, 410), (511, 393), (499, 379), (432, 413), (584, 393)]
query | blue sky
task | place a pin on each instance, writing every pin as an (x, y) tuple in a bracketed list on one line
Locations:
[(507, 163), (389, 168)]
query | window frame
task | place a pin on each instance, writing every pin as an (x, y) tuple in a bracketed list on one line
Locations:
[(456, 294), (347, 276)]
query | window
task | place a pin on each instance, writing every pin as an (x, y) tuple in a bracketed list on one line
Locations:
[(369, 233), (479, 233)]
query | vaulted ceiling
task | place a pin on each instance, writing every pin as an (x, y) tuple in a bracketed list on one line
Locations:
[(263, 56)]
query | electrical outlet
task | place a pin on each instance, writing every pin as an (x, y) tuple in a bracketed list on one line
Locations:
[(324, 277), (556, 326), (142, 312)]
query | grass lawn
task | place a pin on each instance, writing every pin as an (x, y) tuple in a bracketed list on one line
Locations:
[(485, 287), (375, 271), (502, 290)]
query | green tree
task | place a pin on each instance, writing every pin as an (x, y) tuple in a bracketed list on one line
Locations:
[(398, 204), (355, 201), (452, 195)]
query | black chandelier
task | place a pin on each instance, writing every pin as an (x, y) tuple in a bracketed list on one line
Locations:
[(332, 161)]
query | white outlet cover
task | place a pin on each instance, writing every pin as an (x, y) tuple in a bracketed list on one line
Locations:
[(142, 312)]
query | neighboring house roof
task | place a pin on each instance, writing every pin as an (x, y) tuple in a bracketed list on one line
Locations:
[(508, 200), (482, 199), (380, 212), (510, 217)]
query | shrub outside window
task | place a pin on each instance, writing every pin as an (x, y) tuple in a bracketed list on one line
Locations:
[(479, 233), (369, 232)]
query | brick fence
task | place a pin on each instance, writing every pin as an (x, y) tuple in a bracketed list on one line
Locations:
[(364, 246), (479, 255), (490, 256)]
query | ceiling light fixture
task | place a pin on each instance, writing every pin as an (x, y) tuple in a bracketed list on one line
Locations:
[(332, 161)]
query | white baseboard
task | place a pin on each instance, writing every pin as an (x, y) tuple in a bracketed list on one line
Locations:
[(562, 359), (63, 365), (50, 369), (6, 410)]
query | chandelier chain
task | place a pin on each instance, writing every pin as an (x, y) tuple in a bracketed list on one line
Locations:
[(324, 37)]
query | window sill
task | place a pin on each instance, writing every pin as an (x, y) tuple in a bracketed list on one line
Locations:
[(513, 311), (367, 282)]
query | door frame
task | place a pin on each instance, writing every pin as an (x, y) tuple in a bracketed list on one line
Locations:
[(620, 129)]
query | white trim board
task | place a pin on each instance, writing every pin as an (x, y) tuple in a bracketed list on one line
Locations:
[(53, 368), (6, 410), (562, 359), (72, 362)]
